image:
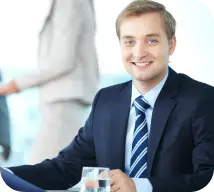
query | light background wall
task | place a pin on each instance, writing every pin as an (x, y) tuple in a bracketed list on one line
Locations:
[(20, 22)]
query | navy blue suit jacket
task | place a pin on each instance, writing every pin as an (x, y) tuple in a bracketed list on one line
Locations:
[(181, 142)]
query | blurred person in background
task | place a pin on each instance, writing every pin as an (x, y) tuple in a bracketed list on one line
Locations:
[(5, 142), (67, 75)]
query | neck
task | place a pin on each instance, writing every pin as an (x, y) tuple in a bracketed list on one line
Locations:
[(145, 86)]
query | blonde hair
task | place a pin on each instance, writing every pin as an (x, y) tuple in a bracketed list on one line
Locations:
[(139, 7)]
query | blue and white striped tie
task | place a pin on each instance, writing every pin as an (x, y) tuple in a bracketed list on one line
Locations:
[(138, 165)]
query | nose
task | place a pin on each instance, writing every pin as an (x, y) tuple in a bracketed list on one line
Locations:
[(139, 50)]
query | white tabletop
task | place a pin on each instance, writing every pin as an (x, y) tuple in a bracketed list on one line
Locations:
[(69, 190)]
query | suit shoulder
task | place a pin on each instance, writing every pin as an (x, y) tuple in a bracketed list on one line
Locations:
[(109, 95), (115, 88), (193, 86)]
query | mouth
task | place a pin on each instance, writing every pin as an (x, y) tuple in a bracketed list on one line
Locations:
[(142, 64)]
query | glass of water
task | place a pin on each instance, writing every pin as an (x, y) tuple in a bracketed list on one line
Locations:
[(95, 179)]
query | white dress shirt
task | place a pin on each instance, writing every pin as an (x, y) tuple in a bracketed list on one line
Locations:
[(142, 184)]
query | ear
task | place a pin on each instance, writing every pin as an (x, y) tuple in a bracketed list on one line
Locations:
[(172, 45)]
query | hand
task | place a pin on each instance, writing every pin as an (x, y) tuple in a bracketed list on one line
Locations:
[(91, 184), (120, 182), (9, 88)]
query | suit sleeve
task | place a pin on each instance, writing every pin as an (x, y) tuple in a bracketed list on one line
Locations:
[(203, 152), (65, 170), (63, 49)]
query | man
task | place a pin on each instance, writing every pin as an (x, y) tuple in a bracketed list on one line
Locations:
[(155, 133), (67, 61)]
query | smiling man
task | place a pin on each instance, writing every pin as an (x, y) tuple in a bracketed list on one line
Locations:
[(146, 43), (156, 132)]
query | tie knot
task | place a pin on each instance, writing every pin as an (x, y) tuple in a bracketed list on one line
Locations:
[(141, 105)]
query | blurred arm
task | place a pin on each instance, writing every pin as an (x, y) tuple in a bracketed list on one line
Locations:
[(67, 23)]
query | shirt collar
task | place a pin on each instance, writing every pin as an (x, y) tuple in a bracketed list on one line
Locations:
[(152, 95)]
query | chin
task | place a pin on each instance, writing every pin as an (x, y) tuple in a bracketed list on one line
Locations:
[(143, 76), (140, 78)]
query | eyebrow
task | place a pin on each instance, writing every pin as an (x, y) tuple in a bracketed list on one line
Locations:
[(153, 35), (127, 37), (148, 35)]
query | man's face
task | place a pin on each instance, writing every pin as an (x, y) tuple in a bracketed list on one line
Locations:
[(145, 47)]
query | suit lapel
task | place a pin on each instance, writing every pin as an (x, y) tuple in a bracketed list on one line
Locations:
[(120, 115), (161, 112)]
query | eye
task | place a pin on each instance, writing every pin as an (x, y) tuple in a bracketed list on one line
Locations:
[(152, 41), (129, 42)]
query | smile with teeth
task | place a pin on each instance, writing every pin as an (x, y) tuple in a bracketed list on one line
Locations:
[(142, 64)]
